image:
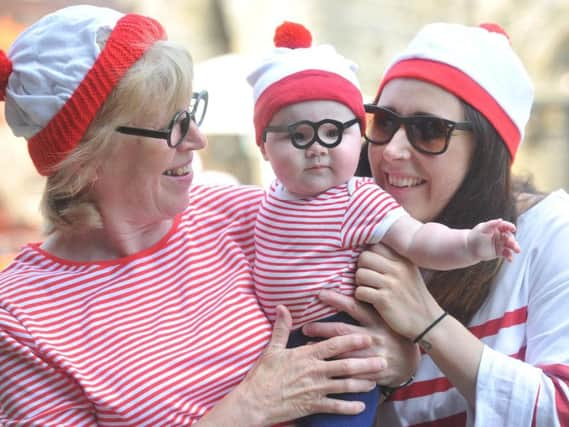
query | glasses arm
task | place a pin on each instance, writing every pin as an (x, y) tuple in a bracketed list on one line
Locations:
[(462, 125), (162, 134), (197, 98)]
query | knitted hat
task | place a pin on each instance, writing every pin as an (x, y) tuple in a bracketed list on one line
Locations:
[(297, 72), (478, 65), (55, 77)]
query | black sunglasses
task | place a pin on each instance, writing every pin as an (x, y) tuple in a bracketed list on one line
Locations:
[(427, 134), (180, 124), (303, 134)]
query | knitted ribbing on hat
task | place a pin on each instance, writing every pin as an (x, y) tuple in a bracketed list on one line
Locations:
[(5, 70), (131, 37)]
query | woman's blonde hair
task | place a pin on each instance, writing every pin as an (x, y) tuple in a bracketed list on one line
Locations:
[(162, 78)]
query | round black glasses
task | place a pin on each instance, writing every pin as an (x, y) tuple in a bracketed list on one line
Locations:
[(180, 124), (427, 134), (304, 133)]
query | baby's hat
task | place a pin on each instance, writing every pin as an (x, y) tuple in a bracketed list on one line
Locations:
[(296, 71), (56, 77)]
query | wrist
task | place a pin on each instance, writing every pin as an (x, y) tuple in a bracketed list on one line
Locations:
[(425, 331), (237, 409), (422, 338), (250, 407), (387, 391)]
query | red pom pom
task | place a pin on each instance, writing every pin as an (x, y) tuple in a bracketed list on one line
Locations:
[(5, 70), (495, 28), (292, 35)]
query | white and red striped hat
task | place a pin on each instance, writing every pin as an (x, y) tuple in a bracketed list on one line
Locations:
[(296, 72), (478, 65), (55, 77)]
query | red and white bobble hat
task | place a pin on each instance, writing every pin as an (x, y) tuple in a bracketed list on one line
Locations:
[(55, 77), (296, 72), (478, 65)]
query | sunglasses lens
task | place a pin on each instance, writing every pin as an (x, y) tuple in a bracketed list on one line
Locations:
[(180, 128), (383, 126), (428, 134)]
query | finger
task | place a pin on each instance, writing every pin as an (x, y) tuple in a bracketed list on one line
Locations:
[(337, 345), (384, 251), (379, 258), (330, 405), (512, 244), (363, 314), (370, 295), (507, 227), (343, 368), (507, 254), (490, 227), (350, 385), (329, 329), (368, 277), (281, 328)]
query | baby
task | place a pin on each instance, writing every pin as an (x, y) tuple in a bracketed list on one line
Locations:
[(316, 217)]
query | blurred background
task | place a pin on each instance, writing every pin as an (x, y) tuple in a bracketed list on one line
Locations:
[(227, 37)]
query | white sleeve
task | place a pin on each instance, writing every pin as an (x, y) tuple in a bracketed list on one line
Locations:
[(533, 391), (505, 386)]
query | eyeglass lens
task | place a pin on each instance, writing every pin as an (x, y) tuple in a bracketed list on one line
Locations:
[(427, 134), (198, 106), (179, 128), (181, 123), (303, 134), (328, 133)]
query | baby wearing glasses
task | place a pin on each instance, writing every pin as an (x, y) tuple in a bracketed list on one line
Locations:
[(316, 217)]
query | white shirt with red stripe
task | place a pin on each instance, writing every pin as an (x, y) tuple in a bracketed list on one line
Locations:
[(153, 339), (523, 378), (303, 245)]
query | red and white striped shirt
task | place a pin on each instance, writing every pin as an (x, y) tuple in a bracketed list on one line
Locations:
[(305, 245), (523, 378), (153, 339)]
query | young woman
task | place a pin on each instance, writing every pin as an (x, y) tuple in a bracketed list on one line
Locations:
[(494, 336)]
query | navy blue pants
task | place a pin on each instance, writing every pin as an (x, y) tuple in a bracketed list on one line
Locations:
[(370, 398)]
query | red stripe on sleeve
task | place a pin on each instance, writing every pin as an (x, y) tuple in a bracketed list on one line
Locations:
[(559, 375), (492, 327)]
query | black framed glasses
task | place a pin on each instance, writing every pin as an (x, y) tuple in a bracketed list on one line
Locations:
[(303, 134), (180, 124), (427, 134)]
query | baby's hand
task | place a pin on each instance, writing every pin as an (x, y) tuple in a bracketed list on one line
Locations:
[(492, 239)]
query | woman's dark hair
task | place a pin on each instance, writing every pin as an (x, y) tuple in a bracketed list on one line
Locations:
[(485, 193)]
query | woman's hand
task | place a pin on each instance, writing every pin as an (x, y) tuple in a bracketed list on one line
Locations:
[(287, 384), (401, 357), (394, 286)]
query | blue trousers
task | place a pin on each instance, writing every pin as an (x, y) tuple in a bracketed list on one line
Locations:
[(370, 398)]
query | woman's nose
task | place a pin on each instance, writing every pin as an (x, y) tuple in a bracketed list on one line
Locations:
[(195, 139), (399, 147)]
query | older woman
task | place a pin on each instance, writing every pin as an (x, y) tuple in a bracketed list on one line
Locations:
[(137, 309), (494, 336)]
